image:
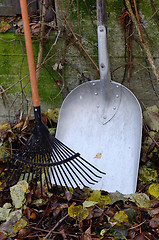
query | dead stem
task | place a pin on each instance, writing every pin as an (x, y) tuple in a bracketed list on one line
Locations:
[(56, 225), (76, 36), (144, 44), (78, 15)]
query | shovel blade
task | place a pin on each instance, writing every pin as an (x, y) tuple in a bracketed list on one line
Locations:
[(114, 146)]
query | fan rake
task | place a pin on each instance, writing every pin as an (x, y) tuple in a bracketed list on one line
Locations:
[(43, 154)]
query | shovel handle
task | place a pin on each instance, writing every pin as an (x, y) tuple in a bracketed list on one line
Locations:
[(30, 56), (103, 48), (101, 13)]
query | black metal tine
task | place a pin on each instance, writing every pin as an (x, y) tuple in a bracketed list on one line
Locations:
[(30, 172), (84, 171), (74, 172), (58, 167), (87, 167), (13, 172), (53, 175), (33, 172), (45, 173), (25, 171), (57, 174), (51, 168), (41, 183), (75, 175), (66, 149), (67, 177), (92, 166), (80, 169), (36, 176), (61, 166), (48, 179)]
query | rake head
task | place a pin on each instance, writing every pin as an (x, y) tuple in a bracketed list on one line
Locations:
[(43, 154)]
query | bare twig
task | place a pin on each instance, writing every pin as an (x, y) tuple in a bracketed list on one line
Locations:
[(152, 16), (76, 37), (144, 44), (56, 225)]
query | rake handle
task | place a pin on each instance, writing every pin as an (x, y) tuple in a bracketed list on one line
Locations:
[(30, 56)]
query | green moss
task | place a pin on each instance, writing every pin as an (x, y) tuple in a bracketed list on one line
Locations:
[(14, 66)]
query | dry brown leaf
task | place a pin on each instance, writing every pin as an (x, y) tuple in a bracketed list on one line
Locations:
[(154, 222), (98, 155)]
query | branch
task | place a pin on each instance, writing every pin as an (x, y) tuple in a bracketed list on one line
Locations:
[(144, 44)]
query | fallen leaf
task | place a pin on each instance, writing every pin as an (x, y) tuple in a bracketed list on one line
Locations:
[(120, 217), (147, 174), (4, 129), (20, 225), (18, 193), (154, 190), (153, 212), (78, 212), (87, 234), (68, 195), (53, 114), (8, 226), (98, 155), (151, 117), (97, 198), (18, 125), (88, 204), (4, 27), (4, 213), (3, 236), (154, 222), (141, 200)]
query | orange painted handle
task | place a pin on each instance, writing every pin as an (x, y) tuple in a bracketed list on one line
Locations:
[(30, 56)]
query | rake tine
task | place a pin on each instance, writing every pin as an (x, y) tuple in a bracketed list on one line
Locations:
[(57, 152), (41, 185), (58, 167), (76, 177), (72, 177), (13, 172), (71, 152), (58, 176), (47, 178), (29, 173), (53, 176), (92, 166), (80, 169), (87, 167), (72, 171)]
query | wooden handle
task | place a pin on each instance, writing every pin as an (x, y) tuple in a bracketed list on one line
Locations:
[(30, 56)]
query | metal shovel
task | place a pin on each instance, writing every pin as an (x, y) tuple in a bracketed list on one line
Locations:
[(102, 120)]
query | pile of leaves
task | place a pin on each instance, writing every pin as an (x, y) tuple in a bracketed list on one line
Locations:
[(86, 215)]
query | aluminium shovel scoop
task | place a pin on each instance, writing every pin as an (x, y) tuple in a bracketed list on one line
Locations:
[(102, 120)]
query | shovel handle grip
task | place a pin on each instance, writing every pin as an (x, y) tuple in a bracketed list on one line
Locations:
[(29, 50), (101, 13)]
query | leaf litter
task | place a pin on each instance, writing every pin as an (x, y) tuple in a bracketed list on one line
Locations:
[(86, 215)]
